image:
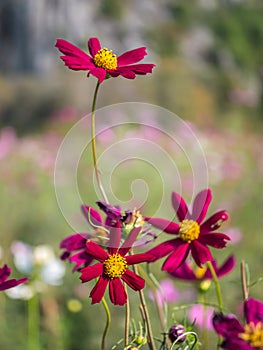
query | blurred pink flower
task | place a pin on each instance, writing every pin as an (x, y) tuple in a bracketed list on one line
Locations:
[(168, 293), (201, 315), (7, 141), (235, 234)]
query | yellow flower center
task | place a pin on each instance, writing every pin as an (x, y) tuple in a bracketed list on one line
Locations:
[(115, 266), (253, 335), (189, 230), (200, 272), (105, 59)]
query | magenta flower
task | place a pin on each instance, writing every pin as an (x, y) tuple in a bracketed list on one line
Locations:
[(5, 272), (101, 62), (194, 235), (112, 268), (235, 335), (187, 273)]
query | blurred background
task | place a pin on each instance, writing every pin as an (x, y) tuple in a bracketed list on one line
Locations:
[(209, 71)]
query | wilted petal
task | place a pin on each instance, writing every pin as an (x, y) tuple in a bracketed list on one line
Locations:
[(98, 291), (134, 281), (131, 56), (201, 204), (117, 292), (74, 242), (88, 273), (94, 46), (201, 254)]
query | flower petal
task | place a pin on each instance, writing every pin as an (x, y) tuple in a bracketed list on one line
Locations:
[(74, 242), (200, 252), (95, 251), (201, 204), (215, 221), (80, 258), (94, 46), (139, 258), (117, 292), (236, 343), (227, 266), (253, 310), (12, 283), (99, 73), (216, 239), (128, 243), (5, 272), (98, 291), (163, 224), (115, 238), (184, 272), (133, 280), (131, 56), (227, 326), (179, 206), (91, 215), (176, 259), (88, 273), (163, 249)]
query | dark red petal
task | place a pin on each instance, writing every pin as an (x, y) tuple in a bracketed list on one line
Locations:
[(134, 281), (227, 267), (117, 292), (98, 291), (178, 256), (4, 273), (94, 46), (139, 258), (140, 69), (215, 221), (95, 251), (253, 310), (184, 272), (91, 215), (179, 206), (12, 283), (215, 239), (80, 259), (131, 56), (165, 225), (115, 238), (129, 241), (227, 326), (74, 242), (201, 254), (201, 204), (236, 344), (99, 73), (88, 273), (163, 249)]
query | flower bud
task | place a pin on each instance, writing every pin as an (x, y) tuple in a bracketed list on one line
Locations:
[(175, 332)]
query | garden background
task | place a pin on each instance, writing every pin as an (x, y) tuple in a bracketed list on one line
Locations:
[(209, 71)]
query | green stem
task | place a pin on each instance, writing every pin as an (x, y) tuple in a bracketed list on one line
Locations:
[(93, 141), (218, 290), (127, 318), (107, 326), (33, 323)]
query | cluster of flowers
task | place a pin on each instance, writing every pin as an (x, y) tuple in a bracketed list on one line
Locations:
[(106, 253)]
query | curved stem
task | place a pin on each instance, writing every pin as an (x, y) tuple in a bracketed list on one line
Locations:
[(93, 141), (106, 329), (218, 290)]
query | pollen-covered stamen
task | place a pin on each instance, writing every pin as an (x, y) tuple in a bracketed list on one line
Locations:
[(189, 230), (253, 335), (115, 266), (105, 59)]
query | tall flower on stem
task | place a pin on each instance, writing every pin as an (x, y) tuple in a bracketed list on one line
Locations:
[(237, 336), (194, 235), (112, 268), (101, 62)]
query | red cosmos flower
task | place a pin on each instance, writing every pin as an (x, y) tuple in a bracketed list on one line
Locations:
[(5, 272), (112, 268), (194, 234), (236, 336), (187, 273), (102, 62)]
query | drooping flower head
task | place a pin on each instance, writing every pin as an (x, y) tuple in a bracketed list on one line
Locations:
[(235, 335), (102, 62), (193, 233), (6, 283), (112, 268)]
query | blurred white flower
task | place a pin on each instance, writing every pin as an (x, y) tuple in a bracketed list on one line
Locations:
[(23, 291)]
